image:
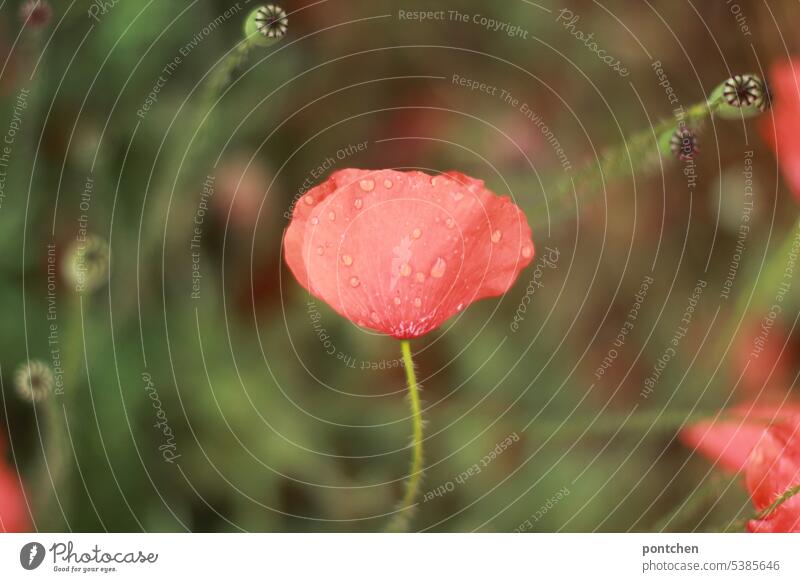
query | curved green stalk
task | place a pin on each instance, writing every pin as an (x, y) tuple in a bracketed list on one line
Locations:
[(401, 520)]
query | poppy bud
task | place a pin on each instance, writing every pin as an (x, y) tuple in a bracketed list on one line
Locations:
[(266, 25), (683, 144), (741, 90), (87, 264), (34, 380), (35, 13), (741, 96)]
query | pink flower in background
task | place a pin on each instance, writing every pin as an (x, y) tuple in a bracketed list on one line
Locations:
[(781, 130), (729, 440), (401, 252), (773, 469), (764, 443), (13, 509)]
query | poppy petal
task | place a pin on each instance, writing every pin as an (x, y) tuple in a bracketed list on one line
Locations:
[(402, 252)]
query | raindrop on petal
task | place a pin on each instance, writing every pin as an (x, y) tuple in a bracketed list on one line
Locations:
[(417, 302), (309, 200), (314, 220), (416, 233), (397, 301), (388, 184), (320, 251), (367, 185), (358, 203), (347, 260), (420, 277), (331, 215), (450, 223), (405, 270), (496, 236), (374, 317), (437, 272), (527, 252), (354, 282)]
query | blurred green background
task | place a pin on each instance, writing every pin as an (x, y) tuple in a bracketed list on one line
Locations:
[(284, 416)]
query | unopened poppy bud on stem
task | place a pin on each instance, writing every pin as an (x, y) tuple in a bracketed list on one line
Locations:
[(266, 24), (741, 96), (34, 381), (87, 264)]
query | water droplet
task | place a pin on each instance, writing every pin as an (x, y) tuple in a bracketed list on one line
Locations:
[(450, 223), (320, 251), (527, 252), (358, 203), (367, 185), (315, 220), (417, 302), (397, 301), (374, 317), (457, 196), (433, 180), (309, 200), (331, 215), (416, 233), (496, 236), (388, 184), (347, 260), (420, 277), (459, 307), (405, 270), (354, 282), (437, 272)]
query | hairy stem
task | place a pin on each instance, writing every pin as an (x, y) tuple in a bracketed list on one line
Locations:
[(741, 524), (401, 519), (641, 151)]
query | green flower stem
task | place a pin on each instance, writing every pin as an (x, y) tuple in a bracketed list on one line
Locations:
[(741, 524), (642, 151), (51, 486), (401, 519), (653, 422), (786, 496)]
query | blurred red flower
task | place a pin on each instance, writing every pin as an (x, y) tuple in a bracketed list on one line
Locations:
[(781, 130), (773, 469), (729, 439), (401, 252), (13, 509), (764, 443)]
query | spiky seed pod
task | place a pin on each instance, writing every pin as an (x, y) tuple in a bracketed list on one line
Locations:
[(271, 21), (35, 13), (684, 144), (87, 264), (763, 99), (741, 90), (34, 380)]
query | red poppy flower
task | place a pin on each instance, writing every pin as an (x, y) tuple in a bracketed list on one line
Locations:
[(13, 510), (764, 442), (401, 252), (782, 130), (729, 440), (773, 469)]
